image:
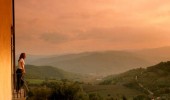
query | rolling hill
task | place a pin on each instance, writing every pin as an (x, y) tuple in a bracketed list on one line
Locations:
[(30, 58), (103, 63), (43, 72), (154, 55), (95, 63), (153, 80)]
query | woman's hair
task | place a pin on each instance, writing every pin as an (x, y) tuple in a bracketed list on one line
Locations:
[(22, 55)]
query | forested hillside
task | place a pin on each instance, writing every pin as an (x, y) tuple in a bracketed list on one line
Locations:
[(154, 80)]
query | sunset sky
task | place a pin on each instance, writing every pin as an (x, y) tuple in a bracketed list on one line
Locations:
[(69, 26)]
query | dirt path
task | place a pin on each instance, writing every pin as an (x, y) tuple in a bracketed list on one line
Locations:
[(141, 85)]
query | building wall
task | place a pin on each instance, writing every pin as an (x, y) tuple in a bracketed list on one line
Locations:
[(5, 49)]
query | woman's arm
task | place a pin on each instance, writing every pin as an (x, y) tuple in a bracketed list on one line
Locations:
[(23, 67)]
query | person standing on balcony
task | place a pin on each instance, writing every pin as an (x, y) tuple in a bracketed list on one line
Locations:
[(20, 71)]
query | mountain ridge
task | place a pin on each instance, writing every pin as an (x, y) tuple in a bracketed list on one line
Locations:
[(105, 62)]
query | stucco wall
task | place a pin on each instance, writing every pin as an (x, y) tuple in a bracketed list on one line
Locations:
[(5, 49)]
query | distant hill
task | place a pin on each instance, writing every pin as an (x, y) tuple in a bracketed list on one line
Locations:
[(95, 63), (103, 63), (42, 72), (154, 55), (30, 58), (156, 79)]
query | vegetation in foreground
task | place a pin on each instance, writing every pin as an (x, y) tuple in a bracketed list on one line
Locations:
[(136, 84), (69, 90)]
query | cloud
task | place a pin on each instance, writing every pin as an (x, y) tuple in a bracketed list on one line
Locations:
[(55, 38), (128, 35), (92, 24)]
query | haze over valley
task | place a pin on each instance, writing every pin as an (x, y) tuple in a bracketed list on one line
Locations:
[(103, 63)]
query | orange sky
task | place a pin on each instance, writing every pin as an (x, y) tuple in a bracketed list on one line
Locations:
[(66, 26)]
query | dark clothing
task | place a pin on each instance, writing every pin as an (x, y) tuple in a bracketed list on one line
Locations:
[(20, 81)]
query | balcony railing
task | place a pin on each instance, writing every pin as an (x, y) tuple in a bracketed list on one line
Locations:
[(21, 95)]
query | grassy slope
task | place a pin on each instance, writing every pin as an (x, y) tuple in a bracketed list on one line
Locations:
[(42, 72)]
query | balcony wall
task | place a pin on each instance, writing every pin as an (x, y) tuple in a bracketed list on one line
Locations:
[(5, 49)]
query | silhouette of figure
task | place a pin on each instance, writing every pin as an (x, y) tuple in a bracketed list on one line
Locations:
[(20, 71)]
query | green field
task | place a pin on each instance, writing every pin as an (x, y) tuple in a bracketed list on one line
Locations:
[(105, 91), (39, 81), (34, 81), (115, 91)]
